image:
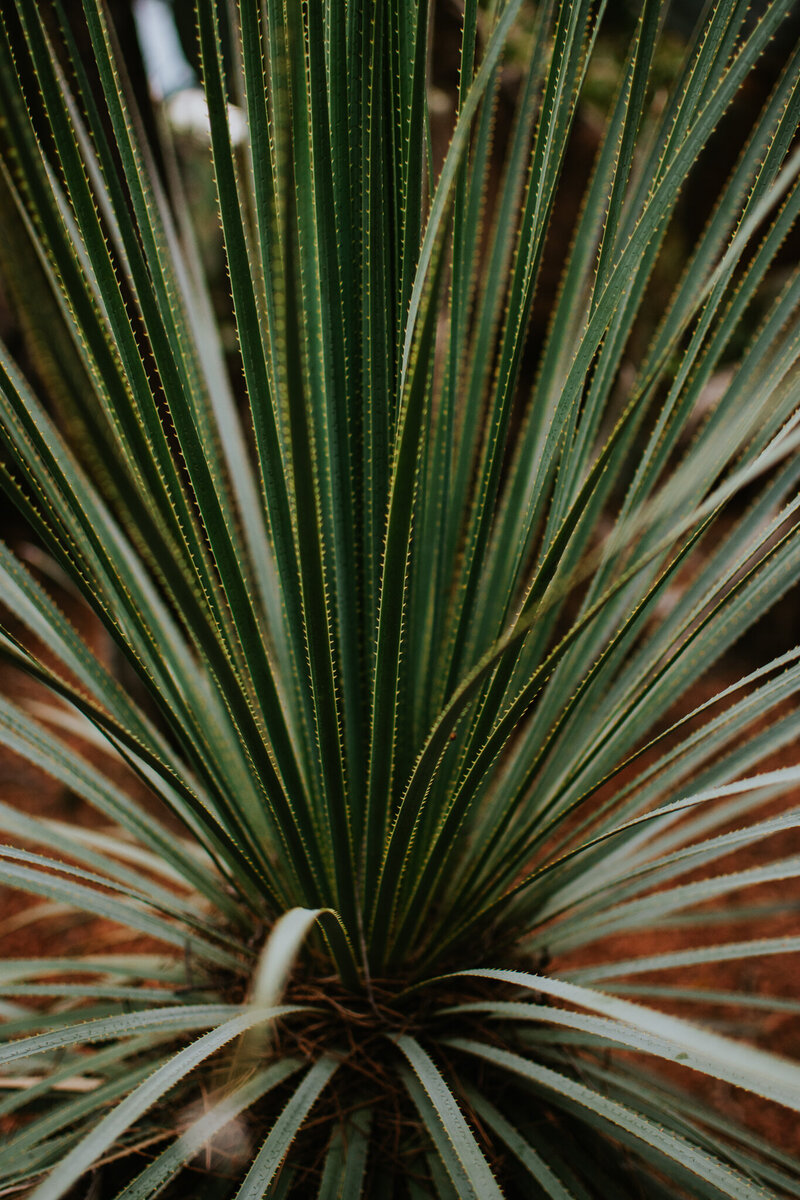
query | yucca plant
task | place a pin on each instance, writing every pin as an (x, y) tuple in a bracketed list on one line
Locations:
[(398, 765)]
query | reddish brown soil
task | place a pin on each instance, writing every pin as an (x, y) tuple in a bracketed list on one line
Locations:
[(774, 975)]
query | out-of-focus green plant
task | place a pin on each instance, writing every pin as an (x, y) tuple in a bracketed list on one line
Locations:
[(408, 631)]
